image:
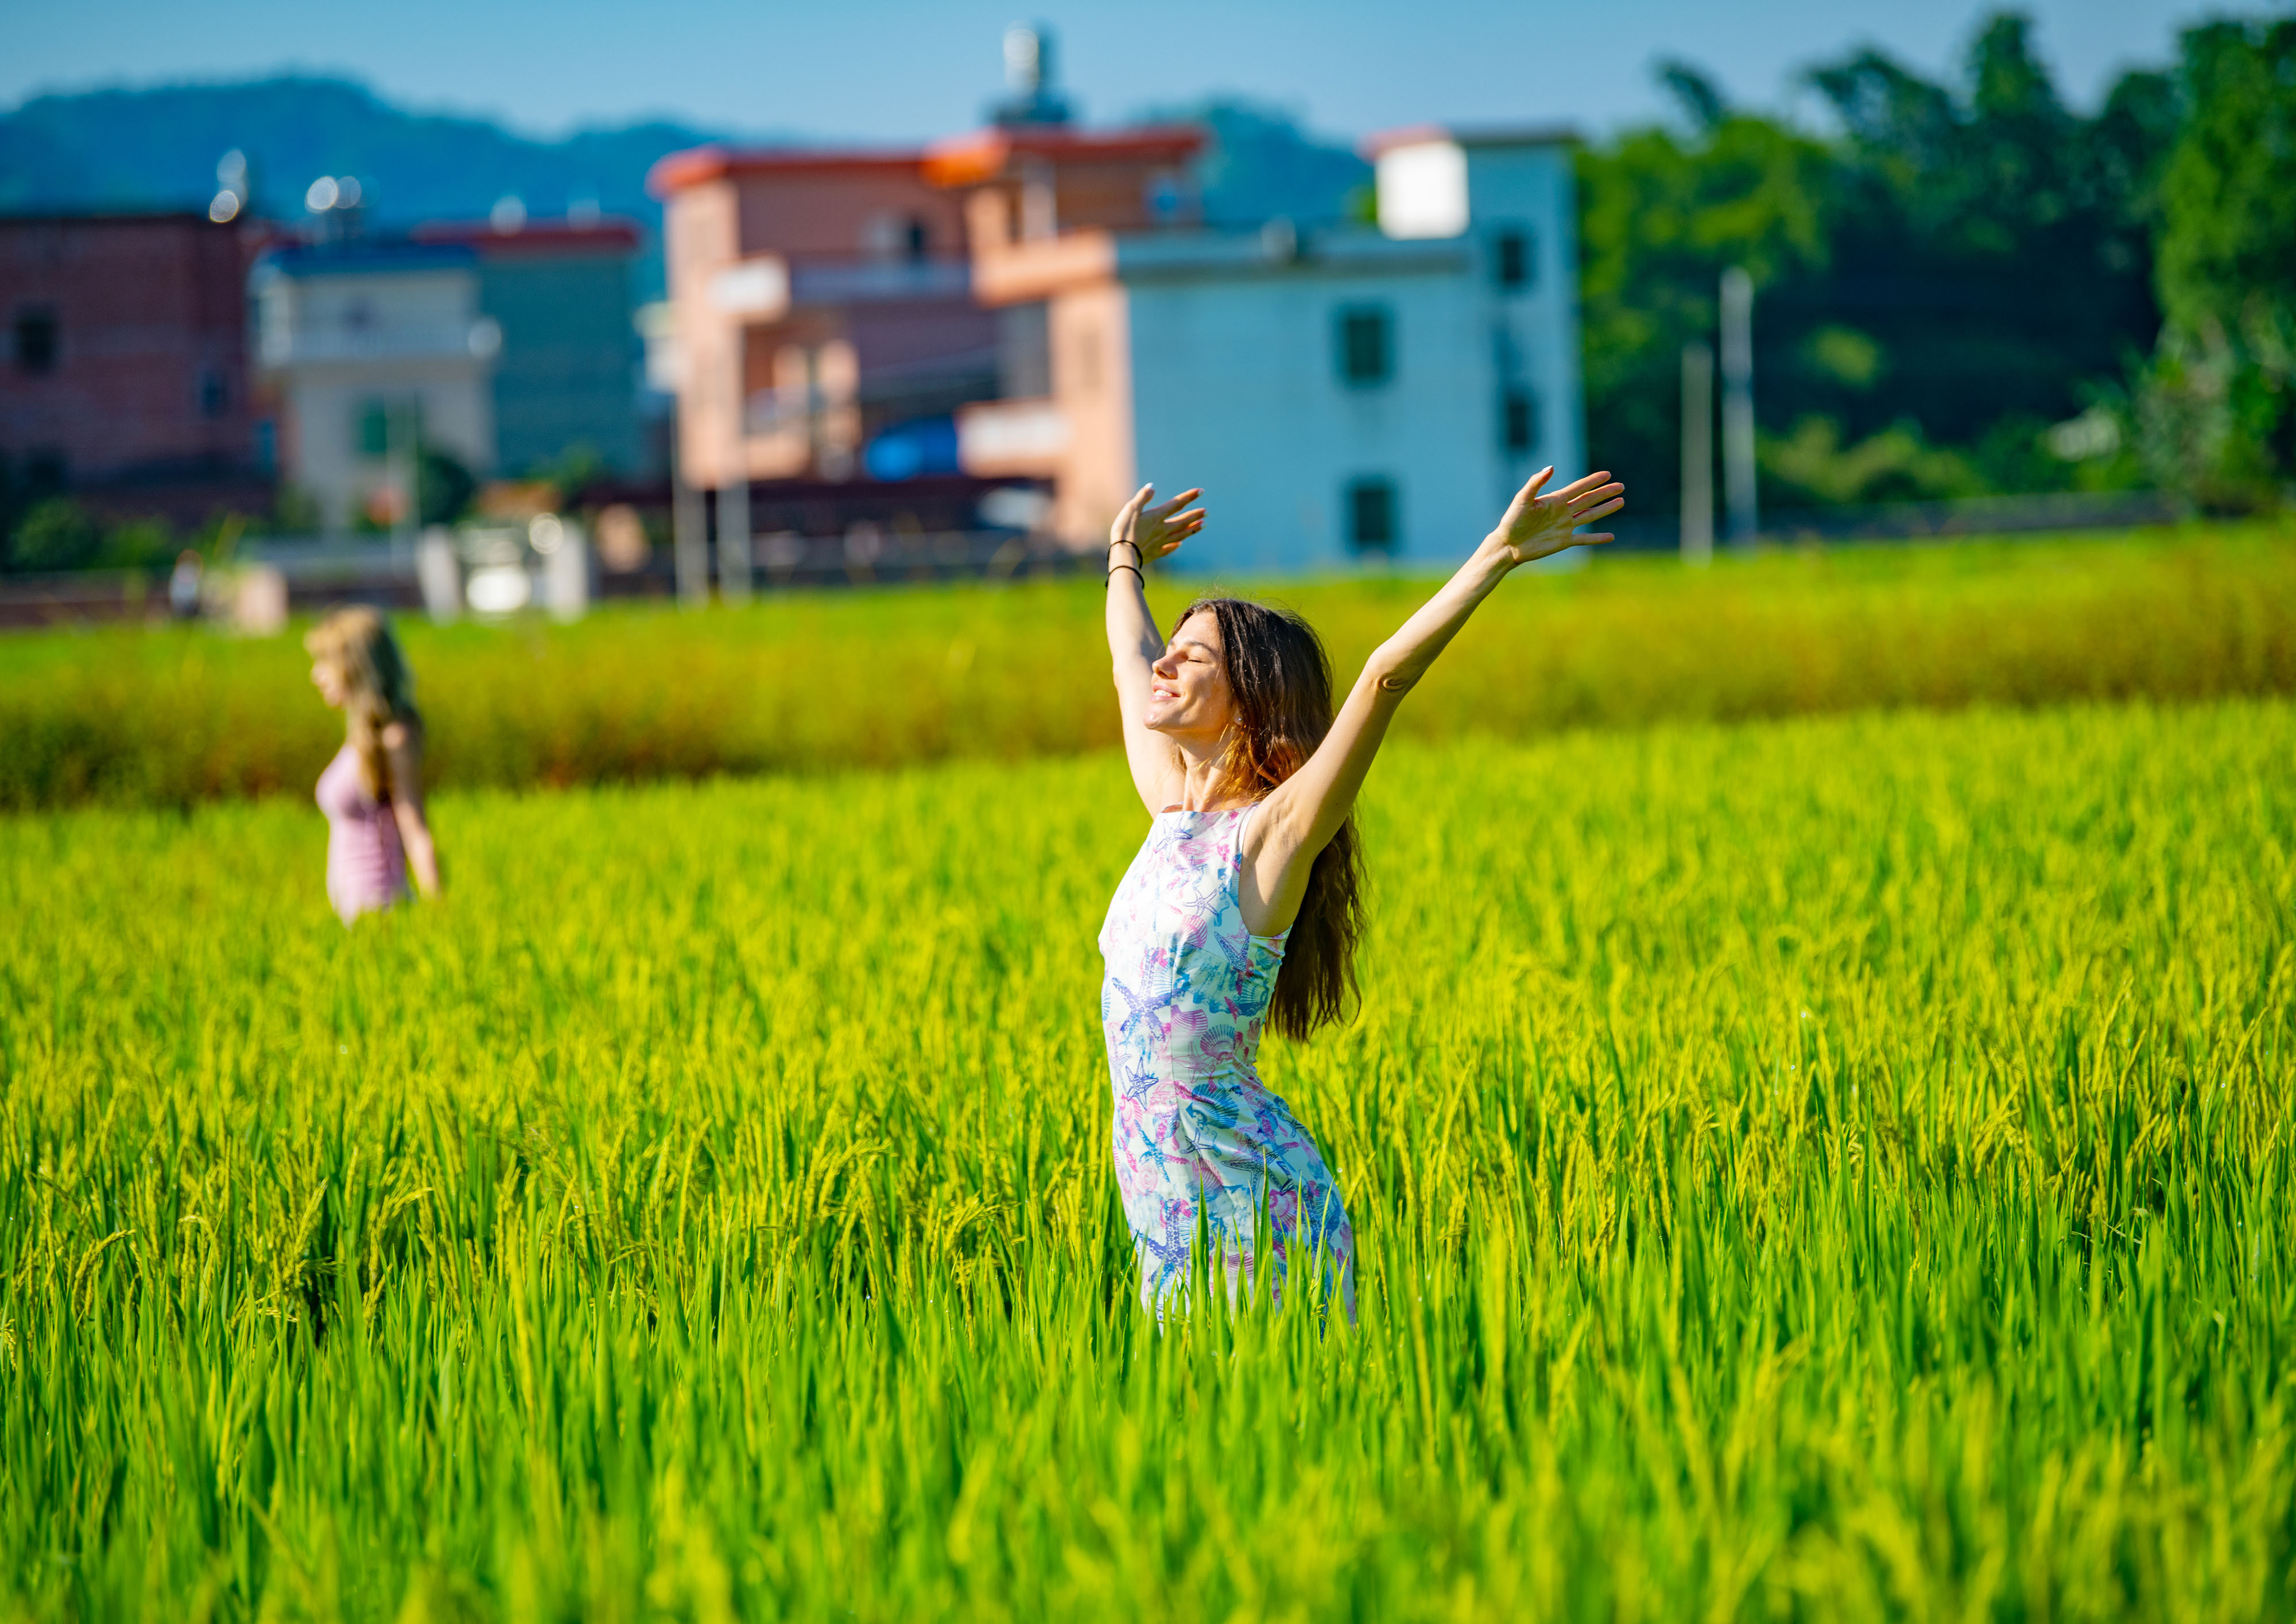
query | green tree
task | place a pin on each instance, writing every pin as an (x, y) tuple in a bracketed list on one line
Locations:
[(570, 473), (56, 533), (443, 488), (1959, 268), (1993, 243), (2218, 408), (1662, 216), (140, 543)]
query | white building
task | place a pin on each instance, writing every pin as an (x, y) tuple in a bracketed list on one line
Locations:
[(1342, 393), (375, 351)]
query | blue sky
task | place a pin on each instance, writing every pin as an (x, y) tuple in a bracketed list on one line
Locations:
[(898, 69)]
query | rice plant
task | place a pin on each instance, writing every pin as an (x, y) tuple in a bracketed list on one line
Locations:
[(821, 681), (1828, 1169)]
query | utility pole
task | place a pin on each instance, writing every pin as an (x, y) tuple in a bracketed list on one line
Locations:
[(689, 523), (402, 455), (734, 490), (733, 539), (1738, 404), (1697, 452)]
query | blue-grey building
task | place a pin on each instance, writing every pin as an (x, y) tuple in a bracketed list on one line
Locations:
[(566, 377)]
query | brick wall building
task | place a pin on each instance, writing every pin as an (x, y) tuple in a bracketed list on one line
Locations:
[(123, 375)]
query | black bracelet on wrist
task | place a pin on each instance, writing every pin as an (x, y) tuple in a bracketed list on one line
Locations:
[(1135, 569)]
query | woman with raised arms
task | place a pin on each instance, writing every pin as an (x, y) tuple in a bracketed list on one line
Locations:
[(1243, 908)]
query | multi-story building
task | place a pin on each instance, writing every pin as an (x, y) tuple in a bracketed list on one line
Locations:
[(375, 350), (826, 319), (820, 299), (1339, 392), (824, 326), (507, 350), (1038, 302), (565, 380), (125, 373)]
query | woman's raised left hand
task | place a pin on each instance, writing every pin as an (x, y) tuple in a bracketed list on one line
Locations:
[(1156, 527), (1539, 522)]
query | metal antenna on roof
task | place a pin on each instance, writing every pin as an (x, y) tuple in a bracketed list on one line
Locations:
[(1028, 76), (1027, 53)]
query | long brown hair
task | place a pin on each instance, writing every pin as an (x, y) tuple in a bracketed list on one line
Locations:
[(378, 686), (1280, 679)]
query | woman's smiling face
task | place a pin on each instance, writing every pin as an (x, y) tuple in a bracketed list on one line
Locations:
[(1188, 691)]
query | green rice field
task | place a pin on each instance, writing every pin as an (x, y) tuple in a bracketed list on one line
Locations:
[(1823, 1168), (833, 681)]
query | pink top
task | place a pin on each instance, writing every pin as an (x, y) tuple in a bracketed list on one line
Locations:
[(366, 866)]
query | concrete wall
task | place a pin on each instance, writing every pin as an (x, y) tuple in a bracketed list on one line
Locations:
[(334, 341), (323, 407), (1090, 349), (367, 311), (700, 237), (568, 372), (1238, 386), (1534, 328), (837, 213), (1238, 390), (856, 301)]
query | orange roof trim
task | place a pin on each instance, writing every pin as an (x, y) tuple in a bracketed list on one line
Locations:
[(699, 165), (984, 155)]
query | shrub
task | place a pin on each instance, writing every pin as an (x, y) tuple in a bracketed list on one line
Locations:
[(55, 535)]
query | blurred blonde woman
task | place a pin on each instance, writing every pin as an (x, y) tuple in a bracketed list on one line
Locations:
[(371, 792)]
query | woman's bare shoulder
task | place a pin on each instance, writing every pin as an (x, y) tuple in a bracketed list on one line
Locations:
[(399, 735)]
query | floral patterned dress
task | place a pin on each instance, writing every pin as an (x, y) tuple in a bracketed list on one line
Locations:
[(1197, 1133)]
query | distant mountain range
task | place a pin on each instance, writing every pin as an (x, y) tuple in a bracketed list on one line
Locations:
[(124, 149), (121, 149)]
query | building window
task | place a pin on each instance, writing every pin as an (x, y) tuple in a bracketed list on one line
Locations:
[(215, 394), (1372, 525), (389, 428), (1165, 197), (1518, 420), (1366, 346), (267, 446), (36, 341), (1512, 267), (1024, 352), (893, 237), (45, 474)]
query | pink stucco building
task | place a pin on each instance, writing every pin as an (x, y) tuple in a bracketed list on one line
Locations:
[(1041, 303)]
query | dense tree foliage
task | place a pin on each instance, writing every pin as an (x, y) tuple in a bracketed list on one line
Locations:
[(2218, 413), (1661, 217), (1953, 271)]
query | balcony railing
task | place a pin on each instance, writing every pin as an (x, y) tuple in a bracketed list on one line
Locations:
[(1011, 437), (478, 340), (870, 281)]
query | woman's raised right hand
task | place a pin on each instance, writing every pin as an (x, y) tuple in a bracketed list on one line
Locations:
[(1157, 530)]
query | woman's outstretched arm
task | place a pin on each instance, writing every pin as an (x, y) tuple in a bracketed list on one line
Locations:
[(1300, 815), (1141, 533)]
